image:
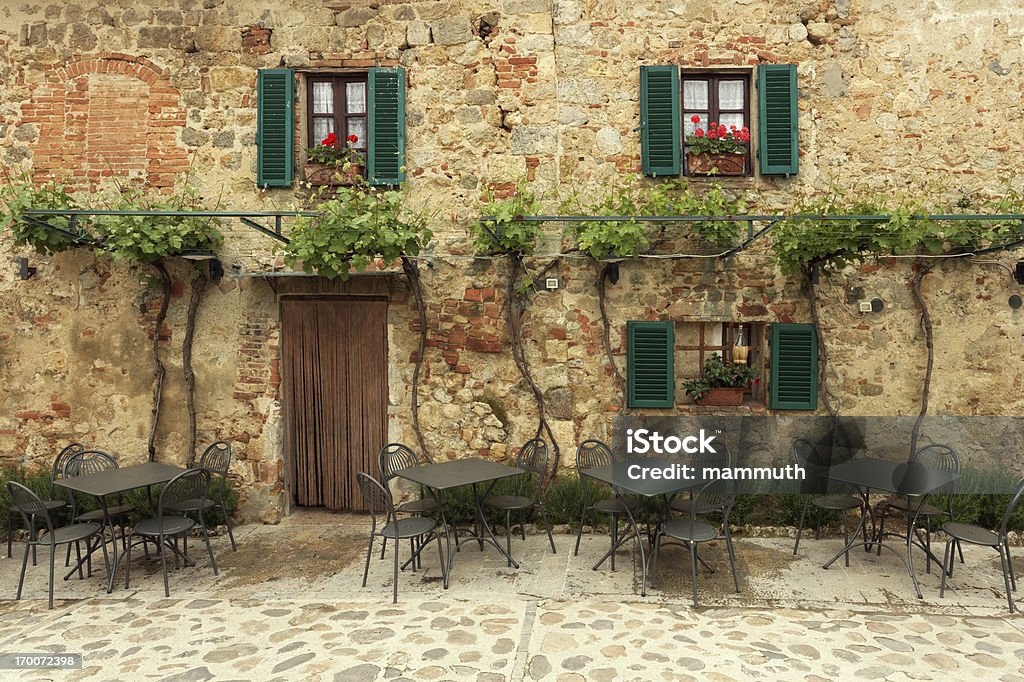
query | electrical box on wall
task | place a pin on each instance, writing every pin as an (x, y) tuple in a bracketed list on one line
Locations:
[(864, 306), (551, 283)]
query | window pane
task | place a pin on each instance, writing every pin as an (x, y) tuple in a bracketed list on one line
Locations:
[(689, 126), (695, 94), (322, 127), (730, 94), (323, 98), (355, 98), (731, 120), (357, 127)]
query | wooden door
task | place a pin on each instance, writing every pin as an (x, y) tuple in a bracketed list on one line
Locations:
[(334, 369)]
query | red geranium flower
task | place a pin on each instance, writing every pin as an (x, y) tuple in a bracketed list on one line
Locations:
[(352, 139), (713, 133), (330, 141), (695, 119), (699, 132)]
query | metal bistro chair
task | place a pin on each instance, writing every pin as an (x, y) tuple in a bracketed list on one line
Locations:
[(91, 462), (217, 460), (806, 456), (939, 458), (51, 503), (378, 500), (32, 508), (393, 458), (592, 454), (533, 459), (164, 529), (976, 535), (691, 531), (722, 458)]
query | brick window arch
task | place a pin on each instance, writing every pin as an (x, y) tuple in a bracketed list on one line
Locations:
[(110, 115)]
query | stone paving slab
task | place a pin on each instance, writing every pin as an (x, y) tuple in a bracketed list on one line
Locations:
[(289, 605)]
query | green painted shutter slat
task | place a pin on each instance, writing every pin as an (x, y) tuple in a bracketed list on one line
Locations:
[(777, 124), (659, 120), (386, 149), (275, 127), (650, 354), (794, 375)]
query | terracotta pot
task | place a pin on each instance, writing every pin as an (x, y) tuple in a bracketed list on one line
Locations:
[(722, 396), (715, 164), (320, 175)]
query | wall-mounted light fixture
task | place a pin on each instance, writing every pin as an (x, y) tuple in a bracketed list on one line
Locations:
[(24, 271), (612, 271), (215, 269)]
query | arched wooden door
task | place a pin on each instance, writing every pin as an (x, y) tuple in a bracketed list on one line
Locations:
[(334, 372)]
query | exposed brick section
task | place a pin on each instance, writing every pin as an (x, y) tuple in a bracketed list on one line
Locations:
[(109, 115), (476, 323), (256, 40)]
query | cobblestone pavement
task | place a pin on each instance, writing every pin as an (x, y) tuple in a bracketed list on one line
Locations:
[(306, 617)]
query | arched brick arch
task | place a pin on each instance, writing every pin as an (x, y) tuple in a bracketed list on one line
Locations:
[(108, 115)]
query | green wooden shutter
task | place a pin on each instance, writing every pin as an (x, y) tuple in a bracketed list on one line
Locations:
[(386, 148), (794, 376), (275, 127), (777, 128), (660, 139), (650, 364)]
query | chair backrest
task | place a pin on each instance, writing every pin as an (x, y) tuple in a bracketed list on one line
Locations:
[(376, 497), (721, 457), (804, 453), (88, 462), (940, 457), (533, 459), (592, 454), (1018, 495), (193, 484), (29, 504), (395, 457), (216, 458), (59, 462), (717, 494)]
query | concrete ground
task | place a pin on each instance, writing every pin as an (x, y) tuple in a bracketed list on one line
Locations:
[(288, 605)]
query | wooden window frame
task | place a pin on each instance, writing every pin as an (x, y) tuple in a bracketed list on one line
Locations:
[(753, 334), (341, 115), (713, 110)]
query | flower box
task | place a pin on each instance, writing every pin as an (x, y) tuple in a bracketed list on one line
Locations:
[(702, 163), (321, 175), (722, 396)]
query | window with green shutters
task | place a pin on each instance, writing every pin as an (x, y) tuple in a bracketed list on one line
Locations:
[(371, 107), (777, 125), (664, 119), (275, 127), (794, 376), (650, 364)]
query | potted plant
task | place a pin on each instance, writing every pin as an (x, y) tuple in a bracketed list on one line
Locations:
[(721, 383), (717, 150), (332, 164)]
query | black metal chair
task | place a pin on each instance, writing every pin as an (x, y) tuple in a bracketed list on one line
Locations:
[(391, 459), (378, 501), (165, 528), (691, 531), (722, 458), (592, 454), (91, 462), (976, 535), (51, 502), (217, 460), (32, 509), (533, 459), (806, 456), (940, 458)]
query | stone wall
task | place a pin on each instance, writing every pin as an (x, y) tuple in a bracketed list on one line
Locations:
[(921, 99)]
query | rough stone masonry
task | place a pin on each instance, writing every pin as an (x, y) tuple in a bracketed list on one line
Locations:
[(891, 97)]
